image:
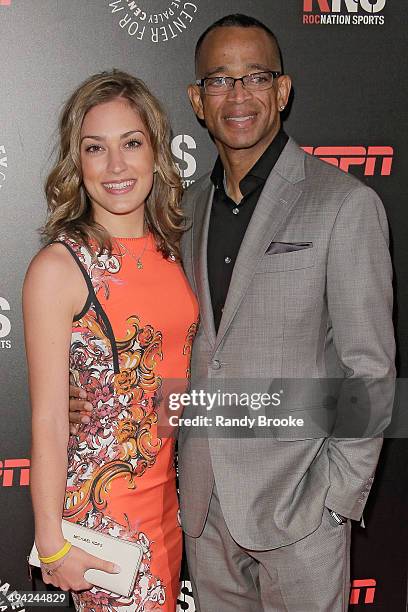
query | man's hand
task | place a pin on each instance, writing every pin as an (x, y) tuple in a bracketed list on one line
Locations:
[(79, 409)]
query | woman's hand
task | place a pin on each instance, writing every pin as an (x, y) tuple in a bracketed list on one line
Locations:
[(68, 573)]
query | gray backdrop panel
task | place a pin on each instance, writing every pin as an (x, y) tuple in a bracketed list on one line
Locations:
[(349, 91)]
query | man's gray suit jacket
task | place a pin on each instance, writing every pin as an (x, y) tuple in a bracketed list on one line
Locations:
[(323, 311)]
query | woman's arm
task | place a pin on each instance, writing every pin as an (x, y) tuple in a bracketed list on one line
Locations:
[(53, 292), (48, 309)]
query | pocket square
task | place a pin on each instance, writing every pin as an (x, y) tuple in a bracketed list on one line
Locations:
[(287, 247)]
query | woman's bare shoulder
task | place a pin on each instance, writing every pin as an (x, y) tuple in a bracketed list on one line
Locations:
[(52, 270)]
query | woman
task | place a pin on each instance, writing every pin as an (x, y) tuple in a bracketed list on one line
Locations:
[(107, 301)]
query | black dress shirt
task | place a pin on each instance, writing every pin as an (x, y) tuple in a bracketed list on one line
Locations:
[(229, 221)]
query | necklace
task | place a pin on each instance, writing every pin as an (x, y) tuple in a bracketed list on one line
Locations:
[(137, 258)]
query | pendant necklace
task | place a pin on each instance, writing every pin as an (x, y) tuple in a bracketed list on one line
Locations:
[(137, 258)]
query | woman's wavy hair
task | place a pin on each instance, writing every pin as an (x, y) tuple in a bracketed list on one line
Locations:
[(69, 207)]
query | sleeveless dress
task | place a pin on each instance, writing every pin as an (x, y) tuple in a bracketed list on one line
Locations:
[(134, 332)]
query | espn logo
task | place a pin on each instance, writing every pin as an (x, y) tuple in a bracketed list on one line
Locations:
[(366, 586), (376, 160), (15, 472)]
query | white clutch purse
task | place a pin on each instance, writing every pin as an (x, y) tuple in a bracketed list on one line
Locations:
[(128, 555)]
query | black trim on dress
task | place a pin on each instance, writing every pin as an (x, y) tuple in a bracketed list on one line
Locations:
[(92, 299)]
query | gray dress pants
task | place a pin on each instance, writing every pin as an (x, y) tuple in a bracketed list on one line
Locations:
[(311, 575)]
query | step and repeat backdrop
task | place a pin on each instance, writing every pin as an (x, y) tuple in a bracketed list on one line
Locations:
[(346, 59)]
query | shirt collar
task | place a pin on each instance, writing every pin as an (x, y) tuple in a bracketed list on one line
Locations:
[(259, 172), (217, 175)]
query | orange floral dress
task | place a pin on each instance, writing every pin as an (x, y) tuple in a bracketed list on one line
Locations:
[(134, 333)]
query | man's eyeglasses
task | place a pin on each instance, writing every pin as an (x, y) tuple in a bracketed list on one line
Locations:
[(257, 81)]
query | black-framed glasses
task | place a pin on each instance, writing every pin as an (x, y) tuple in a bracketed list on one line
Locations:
[(256, 81)]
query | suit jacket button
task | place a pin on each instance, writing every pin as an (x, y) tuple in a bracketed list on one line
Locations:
[(215, 364)]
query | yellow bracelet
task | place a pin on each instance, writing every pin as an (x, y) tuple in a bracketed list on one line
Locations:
[(61, 553)]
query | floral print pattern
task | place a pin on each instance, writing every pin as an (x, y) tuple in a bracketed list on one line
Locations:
[(121, 440)]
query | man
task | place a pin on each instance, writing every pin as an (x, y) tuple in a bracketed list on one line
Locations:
[(290, 263)]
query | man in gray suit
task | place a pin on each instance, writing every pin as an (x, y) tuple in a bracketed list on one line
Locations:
[(289, 259)]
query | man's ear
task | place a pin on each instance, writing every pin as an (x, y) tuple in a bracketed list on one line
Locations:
[(284, 87), (194, 94)]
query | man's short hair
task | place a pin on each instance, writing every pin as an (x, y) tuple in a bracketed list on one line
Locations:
[(238, 20)]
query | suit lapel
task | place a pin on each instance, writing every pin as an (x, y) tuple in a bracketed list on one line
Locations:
[(277, 199), (201, 220)]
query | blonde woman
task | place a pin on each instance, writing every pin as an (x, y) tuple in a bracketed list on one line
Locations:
[(107, 304)]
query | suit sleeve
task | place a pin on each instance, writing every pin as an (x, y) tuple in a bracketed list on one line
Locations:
[(359, 296)]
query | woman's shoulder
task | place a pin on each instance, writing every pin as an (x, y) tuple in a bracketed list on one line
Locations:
[(53, 267), (54, 283), (53, 254)]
